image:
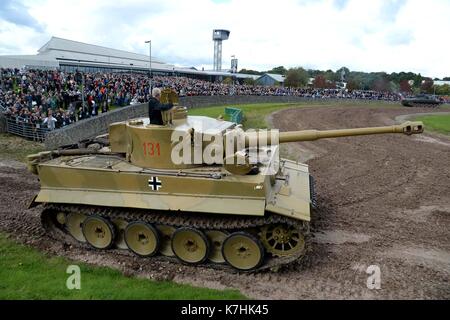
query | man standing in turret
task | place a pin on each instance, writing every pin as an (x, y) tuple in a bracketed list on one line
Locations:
[(155, 107)]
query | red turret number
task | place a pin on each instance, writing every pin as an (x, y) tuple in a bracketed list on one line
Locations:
[(151, 149)]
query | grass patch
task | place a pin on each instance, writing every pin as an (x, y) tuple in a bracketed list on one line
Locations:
[(255, 114), (17, 148), (26, 273), (437, 123)]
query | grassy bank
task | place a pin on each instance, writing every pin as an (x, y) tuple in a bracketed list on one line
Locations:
[(26, 273), (437, 123)]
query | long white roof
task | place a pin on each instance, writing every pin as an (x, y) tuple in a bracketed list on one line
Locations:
[(61, 44)]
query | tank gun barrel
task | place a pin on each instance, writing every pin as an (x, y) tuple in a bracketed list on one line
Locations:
[(408, 128)]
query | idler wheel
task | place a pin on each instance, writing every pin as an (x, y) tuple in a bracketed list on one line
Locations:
[(98, 232), (74, 222), (190, 245), (243, 251), (142, 238)]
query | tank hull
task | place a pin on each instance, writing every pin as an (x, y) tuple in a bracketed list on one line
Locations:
[(111, 181)]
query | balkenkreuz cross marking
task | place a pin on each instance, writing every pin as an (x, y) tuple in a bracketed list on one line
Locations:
[(154, 183)]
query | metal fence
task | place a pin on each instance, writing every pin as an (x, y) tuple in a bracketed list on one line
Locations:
[(26, 130)]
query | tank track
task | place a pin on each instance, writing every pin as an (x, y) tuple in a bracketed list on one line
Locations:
[(202, 222)]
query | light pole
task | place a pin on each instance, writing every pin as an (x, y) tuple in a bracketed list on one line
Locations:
[(150, 65)]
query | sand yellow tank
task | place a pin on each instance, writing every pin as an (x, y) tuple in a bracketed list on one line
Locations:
[(196, 189)]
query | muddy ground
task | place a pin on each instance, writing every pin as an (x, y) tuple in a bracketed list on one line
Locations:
[(384, 201)]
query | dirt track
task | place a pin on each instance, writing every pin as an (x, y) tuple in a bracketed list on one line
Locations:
[(384, 200)]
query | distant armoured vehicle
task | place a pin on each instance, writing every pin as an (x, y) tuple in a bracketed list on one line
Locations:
[(422, 100), (131, 192)]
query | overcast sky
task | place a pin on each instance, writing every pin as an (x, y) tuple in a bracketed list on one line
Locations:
[(363, 35)]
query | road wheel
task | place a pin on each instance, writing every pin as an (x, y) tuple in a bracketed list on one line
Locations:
[(74, 222), (61, 218), (216, 238), (190, 245), (243, 251), (98, 232), (166, 233), (142, 238), (120, 225)]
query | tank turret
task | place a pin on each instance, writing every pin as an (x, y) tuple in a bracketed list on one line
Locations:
[(191, 141)]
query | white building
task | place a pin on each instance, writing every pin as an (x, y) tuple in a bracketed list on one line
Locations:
[(441, 82)]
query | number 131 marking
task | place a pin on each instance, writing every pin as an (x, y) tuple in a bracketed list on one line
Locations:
[(151, 149)]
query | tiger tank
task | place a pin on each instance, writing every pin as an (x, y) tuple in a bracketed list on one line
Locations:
[(194, 190)]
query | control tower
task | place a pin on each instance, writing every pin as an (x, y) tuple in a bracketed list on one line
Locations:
[(218, 36)]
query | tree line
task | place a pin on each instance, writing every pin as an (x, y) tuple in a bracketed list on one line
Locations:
[(405, 82)]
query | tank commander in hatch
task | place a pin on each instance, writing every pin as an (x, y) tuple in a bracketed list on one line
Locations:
[(155, 107)]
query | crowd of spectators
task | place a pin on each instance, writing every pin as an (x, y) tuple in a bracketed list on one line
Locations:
[(53, 99), (194, 87)]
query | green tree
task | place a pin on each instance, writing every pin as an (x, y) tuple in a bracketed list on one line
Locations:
[(227, 80), (278, 70), (296, 77), (249, 81), (394, 86), (417, 80), (249, 71), (353, 84), (443, 90), (331, 76)]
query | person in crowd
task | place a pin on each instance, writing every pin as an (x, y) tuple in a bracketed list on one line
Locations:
[(50, 121), (94, 108), (82, 114), (155, 107)]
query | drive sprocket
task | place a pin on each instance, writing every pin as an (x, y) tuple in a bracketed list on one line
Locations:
[(282, 240)]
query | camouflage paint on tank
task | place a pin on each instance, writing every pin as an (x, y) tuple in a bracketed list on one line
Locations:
[(111, 181)]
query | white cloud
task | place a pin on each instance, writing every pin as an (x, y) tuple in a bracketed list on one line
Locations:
[(378, 35)]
